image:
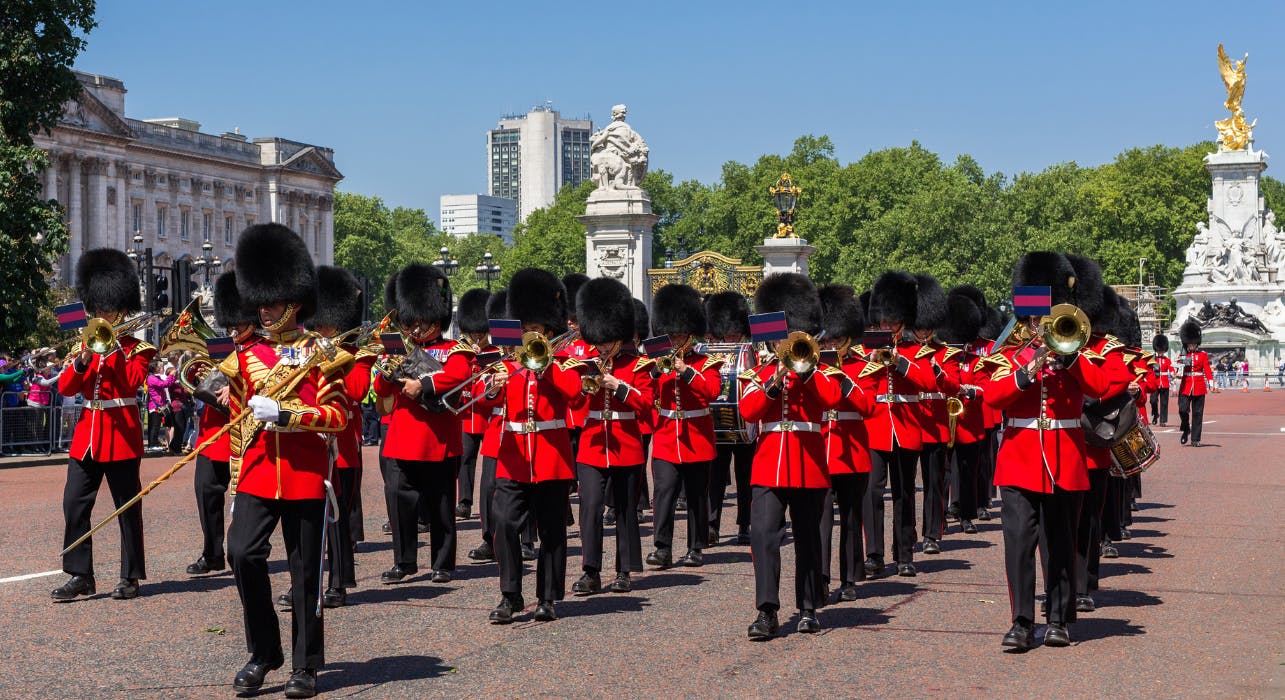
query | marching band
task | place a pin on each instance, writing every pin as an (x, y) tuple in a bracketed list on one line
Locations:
[(816, 404)]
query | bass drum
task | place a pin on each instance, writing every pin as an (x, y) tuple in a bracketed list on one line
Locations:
[(1136, 452), (729, 427)]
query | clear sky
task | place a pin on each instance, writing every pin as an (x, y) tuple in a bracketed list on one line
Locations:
[(405, 91)]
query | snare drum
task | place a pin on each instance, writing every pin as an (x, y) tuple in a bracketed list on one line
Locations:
[(729, 427), (1135, 452)]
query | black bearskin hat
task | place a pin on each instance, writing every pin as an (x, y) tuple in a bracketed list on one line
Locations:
[(107, 280), (964, 316), (1087, 293), (1130, 328), (677, 308), (930, 303), (573, 281), (1109, 319), (1189, 333), (339, 301), (605, 312), (228, 309), (994, 325), (841, 312), (894, 298), (497, 306), (727, 313), (1160, 344), (796, 296), (274, 266), (972, 293), (536, 296), (642, 320), (864, 301), (421, 294), (1047, 269), (472, 311)]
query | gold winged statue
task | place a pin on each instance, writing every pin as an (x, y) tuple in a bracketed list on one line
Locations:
[(1233, 133)]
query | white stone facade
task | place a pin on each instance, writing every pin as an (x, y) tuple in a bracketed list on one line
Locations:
[(176, 186), (462, 214), (532, 156)]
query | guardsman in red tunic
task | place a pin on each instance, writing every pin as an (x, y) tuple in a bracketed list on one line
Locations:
[(965, 313), (1194, 376), (895, 429), (577, 350), (683, 444), (1164, 372), (618, 392), (727, 316), (535, 468), (280, 455), (1041, 471), (847, 448), (994, 419), (473, 329), (424, 438), (789, 461), (212, 475), (108, 441)]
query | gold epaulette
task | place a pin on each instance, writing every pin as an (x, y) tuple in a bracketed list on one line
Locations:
[(869, 369), (832, 371), (924, 351), (369, 350), (712, 363), (748, 375), (1113, 343), (569, 363), (230, 366), (951, 352), (461, 346), (999, 360), (643, 363), (1089, 354), (339, 364), (139, 347)]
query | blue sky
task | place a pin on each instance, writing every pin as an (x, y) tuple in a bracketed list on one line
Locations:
[(404, 91)]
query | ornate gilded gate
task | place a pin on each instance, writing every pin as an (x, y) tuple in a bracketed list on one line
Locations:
[(708, 272)]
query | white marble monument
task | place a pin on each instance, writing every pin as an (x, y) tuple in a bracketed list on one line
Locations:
[(785, 255), (618, 218)]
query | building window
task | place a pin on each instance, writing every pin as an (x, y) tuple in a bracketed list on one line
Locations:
[(184, 219), (207, 219), (137, 211), (160, 222), (227, 230), (249, 221)]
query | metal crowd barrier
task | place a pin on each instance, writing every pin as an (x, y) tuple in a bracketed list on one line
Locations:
[(40, 430)]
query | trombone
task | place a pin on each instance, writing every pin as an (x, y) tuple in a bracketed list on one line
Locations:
[(1065, 331), (665, 363), (799, 352), (101, 337), (534, 354)]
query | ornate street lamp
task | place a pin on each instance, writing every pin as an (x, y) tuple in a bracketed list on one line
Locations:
[(487, 270), (446, 263), (208, 263), (785, 196)]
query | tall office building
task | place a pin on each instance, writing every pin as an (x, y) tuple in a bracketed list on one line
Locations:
[(462, 214), (534, 155)]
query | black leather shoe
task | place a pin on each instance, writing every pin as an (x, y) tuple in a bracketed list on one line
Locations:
[(387, 528), (765, 626), (544, 612), (642, 517), (931, 546), (1084, 603), (76, 585), (334, 598), (609, 516), (588, 583), (983, 514), (743, 537), (693, 557), (1056, 636), (1020, 636), (1195, 443), (285, 600), (622, 584), (397, 573), (1044, 607), (952, 511), (503, 613), (441, 576), (1183, 439), (484, 552), (1133, 506), (680, 504), (202, 566), (127, 589), (968, 527), (713, 537), (906, 569), (528, 552), (251, 676), (302, 683), (848, 592), (1125, 534), (661, 558), (1109, 551), (808, 622), (873, 567), (421, 528), (463, 511)]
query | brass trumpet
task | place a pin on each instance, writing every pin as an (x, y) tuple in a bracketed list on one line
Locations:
[(954, 409), (1065, 330), (799, 352), (101, 337)]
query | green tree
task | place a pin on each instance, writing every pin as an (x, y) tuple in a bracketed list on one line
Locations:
[(39, 40), (552, 237)]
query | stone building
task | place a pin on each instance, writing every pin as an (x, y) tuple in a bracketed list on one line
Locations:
[(175, 186), (532, 156)]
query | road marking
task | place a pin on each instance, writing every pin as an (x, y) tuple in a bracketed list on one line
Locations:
[(24, 577)]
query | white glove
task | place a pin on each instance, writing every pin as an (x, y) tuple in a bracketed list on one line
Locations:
[(265, 409)]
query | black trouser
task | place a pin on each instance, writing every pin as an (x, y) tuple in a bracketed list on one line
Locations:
[(468, 467), (932, 470), (719, 475), (513, 507), (179, 422), (897, 467), (84, 477), (1191, 411), (343, 574), (253, 520), (356, 515), (1115, 509), (986, 469), (849, 490), (695, 476), (487, 487), (155, 419), (1160, 406), (767, 525), (211, 484), (1088, 533), (967, 458), (1049, 519), (408, 484), (369, 424), (623, 485)]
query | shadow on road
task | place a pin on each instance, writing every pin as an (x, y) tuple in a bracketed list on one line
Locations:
[(1143, 551), (1145, 534), (1109, 569), (1126, 599), (883, 589), (396, 594), (836, 616), (347, 674), (728, 556), (665, 580), (199, 584), (1090, 628), (953, 544), (601, 605), (929, 565), (1150, 519)]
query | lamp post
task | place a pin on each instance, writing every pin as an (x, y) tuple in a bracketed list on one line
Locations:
[(785, 196), (207, 263), (446, 263), (487, 270)]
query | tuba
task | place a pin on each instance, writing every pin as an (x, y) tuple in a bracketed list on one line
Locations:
[(188, 333)]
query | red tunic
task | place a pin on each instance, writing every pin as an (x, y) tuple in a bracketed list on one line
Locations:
[(109, 433), (847, 447), (1108, 353), (791, 448), (1193, 373), (991, 417), (414, 432), (474, 419), (897, 416), (971, 426), (943, 363), (691, 437), (535, 444), (212, 421), (1165, 370), (580, 351), (611, 440), (356, 384)]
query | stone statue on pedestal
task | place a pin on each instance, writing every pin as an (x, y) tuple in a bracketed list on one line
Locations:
[(618, 155)]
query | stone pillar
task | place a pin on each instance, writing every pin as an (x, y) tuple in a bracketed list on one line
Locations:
[(97, 234), (273, 213), (618, 236), (75, 212), (124, 207), (327, 230), (51, 175), (785, 255)]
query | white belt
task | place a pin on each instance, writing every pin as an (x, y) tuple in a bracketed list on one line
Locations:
[(495, 412), (842, 415), (612, 415), (102, 404), (534, 426), (1043, 423), (274, 428), (791, 426), (681, 415), (933, 395), (898, 398)]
